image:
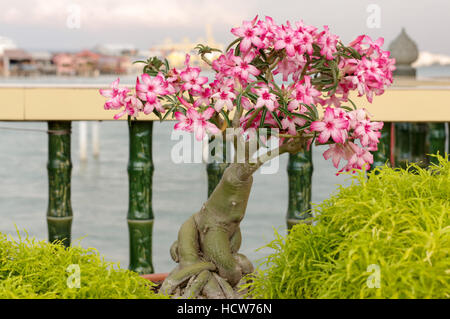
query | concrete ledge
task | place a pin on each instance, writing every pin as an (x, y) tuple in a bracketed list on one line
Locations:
[(83, 103)]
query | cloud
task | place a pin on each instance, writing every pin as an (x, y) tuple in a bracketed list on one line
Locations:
[(44, 23), (104, 14)]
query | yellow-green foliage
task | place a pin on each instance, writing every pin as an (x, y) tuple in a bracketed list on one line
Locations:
[(37, 269), (397, 220)]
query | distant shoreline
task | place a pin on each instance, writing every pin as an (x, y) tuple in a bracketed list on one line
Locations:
[(434, 72)]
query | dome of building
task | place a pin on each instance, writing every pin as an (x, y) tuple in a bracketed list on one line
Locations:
[(404, 49)]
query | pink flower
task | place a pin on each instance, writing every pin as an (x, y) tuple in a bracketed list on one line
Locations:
[(246, 104), (224, 64), (286, 39), (132, 107), (327, 42), (304, 92), (116, 96), (338, 152), (192, 80), (356, 116), (203, 97), (265, 98), (365, 46), (369, 78), (173, 79), (368, 132), (153, 85), (267, 29), (303, 28), (290, 123), (243, 67), (223, 84), (152, 103), (185, 122), (250, 35), (361, 158), (305, 43), (201, 125), (224, 98), (285, 67), (356, 156), (331, 125), (334, 100)]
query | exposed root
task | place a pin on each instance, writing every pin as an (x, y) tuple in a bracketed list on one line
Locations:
[(204, 279), (194, 288), (209, 265), (182, 275)]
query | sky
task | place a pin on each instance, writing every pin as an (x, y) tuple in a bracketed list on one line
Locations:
[(70, 25)]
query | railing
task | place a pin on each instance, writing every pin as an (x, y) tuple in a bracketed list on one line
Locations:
[(418, 109)]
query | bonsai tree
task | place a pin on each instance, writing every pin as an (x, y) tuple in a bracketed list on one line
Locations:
[(293, 80)]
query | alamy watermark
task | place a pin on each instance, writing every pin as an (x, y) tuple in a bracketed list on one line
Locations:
[(374, 19), (374, 280), (73, 20), (231, 147), (74, 279)]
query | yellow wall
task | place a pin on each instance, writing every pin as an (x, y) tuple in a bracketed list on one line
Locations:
[(427, 104)]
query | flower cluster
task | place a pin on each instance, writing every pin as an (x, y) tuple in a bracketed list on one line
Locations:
[(272, 76), (342, 129)]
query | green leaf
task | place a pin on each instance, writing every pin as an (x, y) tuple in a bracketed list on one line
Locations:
[(261, 78), (275, 117), (313, 110), (233, 43), (346, 108), (303, 116), (171, 110), (253, 97), (237, 52), (354, 53), (285, 111), (353, 104), (260, 140), (158, 114), (225, 115), (303, 127), (263, 117), (166, 63)]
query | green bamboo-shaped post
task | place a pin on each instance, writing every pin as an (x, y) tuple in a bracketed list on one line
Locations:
[(419, 132), (140, 213), (436, 139), (59, 167), (403, 144), (300, 169), (448, 139), (383, 154), (215, 169)]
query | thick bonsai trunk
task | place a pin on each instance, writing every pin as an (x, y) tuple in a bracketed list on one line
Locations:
[(209, 265)]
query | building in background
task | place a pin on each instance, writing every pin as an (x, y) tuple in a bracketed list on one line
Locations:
[(102, 59), (175, 52), (43, 63), (17, 62), (86, 63), (64, 63)]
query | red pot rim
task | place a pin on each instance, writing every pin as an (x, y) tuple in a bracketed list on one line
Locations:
[(156, 278)]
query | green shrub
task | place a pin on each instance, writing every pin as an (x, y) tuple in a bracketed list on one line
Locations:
[(37, 269), (397, 220)]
